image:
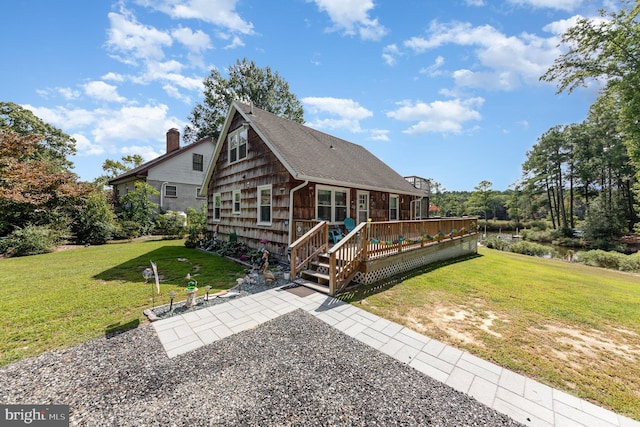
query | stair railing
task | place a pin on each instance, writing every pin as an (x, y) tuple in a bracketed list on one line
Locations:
[(345, 258), (308, 247)]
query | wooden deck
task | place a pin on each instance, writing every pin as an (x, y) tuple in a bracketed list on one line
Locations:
[(317, 264)]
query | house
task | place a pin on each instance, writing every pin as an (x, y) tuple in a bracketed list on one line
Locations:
[(177, 175), (269, 176)]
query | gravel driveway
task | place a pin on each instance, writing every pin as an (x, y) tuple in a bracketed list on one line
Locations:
[(294, 370)]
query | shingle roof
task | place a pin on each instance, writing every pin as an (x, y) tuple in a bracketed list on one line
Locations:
[(143, 169), (319, 157)]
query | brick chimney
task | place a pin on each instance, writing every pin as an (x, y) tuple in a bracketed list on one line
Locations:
[(173, 140)]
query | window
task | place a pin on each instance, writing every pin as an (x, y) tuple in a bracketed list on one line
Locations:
[(332, 204), (170, 191), (264, 205), (198, 162), (198, 196), (217, 204), (237, 145), (393, 208), (236, 201)]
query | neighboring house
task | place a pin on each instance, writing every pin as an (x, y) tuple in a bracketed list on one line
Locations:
[(269, 173), (177, 175)]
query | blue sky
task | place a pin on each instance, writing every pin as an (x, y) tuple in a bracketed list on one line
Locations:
[(447, 90)]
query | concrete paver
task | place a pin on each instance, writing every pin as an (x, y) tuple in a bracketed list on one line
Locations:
[(525, 400)]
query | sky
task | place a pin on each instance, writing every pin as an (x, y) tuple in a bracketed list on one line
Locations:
[(441, 89)]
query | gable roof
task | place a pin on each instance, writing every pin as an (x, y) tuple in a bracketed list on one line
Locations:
[(309, 154), (143, 170)]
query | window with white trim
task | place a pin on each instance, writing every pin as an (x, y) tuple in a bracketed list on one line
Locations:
[(236, 202), (198, 162), (332, 204), (237, 142), (170, 191), (217, 205), (264, 205), (394, 207)]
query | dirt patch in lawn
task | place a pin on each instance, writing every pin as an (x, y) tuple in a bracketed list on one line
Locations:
[(577, 344), (458, 323)]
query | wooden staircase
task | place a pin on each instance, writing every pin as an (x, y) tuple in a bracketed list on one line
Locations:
[(316, 277)]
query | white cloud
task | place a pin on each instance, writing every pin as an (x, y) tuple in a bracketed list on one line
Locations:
[(110, 127), (438, 116), (132, 41), (221, 13), (146, 151), (348, 112), (390, 53), (567, 5), (352, 17), (103, 91), (84, 147), (194, 41), (508, 60), (476, 3), (379, 135), (114, 77), (433, 69)]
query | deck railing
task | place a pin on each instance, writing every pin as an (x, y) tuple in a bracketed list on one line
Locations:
[(390, 238), (370, 240)]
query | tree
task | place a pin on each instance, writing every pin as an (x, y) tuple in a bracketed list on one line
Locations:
[(606, 49), (33, 188), (53, 145), (137, 208), (95, 223), (113, 168), (249, 83), (480, 199)]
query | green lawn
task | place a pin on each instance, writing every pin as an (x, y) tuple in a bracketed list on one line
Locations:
[(570, 326), (573, 327), (60, 299)]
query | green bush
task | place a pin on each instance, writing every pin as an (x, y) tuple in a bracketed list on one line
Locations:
[(537, 235), (95, 222), (631, 262), (197, 229), (600, 258), (530, 248), (127, 230), (171, 225), (32, 240), (496, 243)]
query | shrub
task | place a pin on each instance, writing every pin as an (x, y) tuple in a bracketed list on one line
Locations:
[(127, 230), (538, 225), (171, 225), (631, 262), (537, 236), (496, 243), (600, 258), (95, 222), (197, 228), (530, 248), (32, 240)]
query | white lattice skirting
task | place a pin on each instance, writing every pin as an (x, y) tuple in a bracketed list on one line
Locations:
[(385, 268)]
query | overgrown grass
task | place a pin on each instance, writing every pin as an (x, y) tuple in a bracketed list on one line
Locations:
[(60, 299), (571, 326)]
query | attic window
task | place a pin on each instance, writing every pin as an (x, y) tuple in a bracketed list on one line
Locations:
[(237, 142), (198, 162)]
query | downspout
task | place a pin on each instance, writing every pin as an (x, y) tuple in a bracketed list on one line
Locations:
[(293, 190), (162, 193)]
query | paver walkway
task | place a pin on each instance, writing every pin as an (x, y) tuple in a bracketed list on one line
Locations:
[(524, 400)]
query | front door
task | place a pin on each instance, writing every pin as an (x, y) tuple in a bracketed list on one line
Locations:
[(363, 206)]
